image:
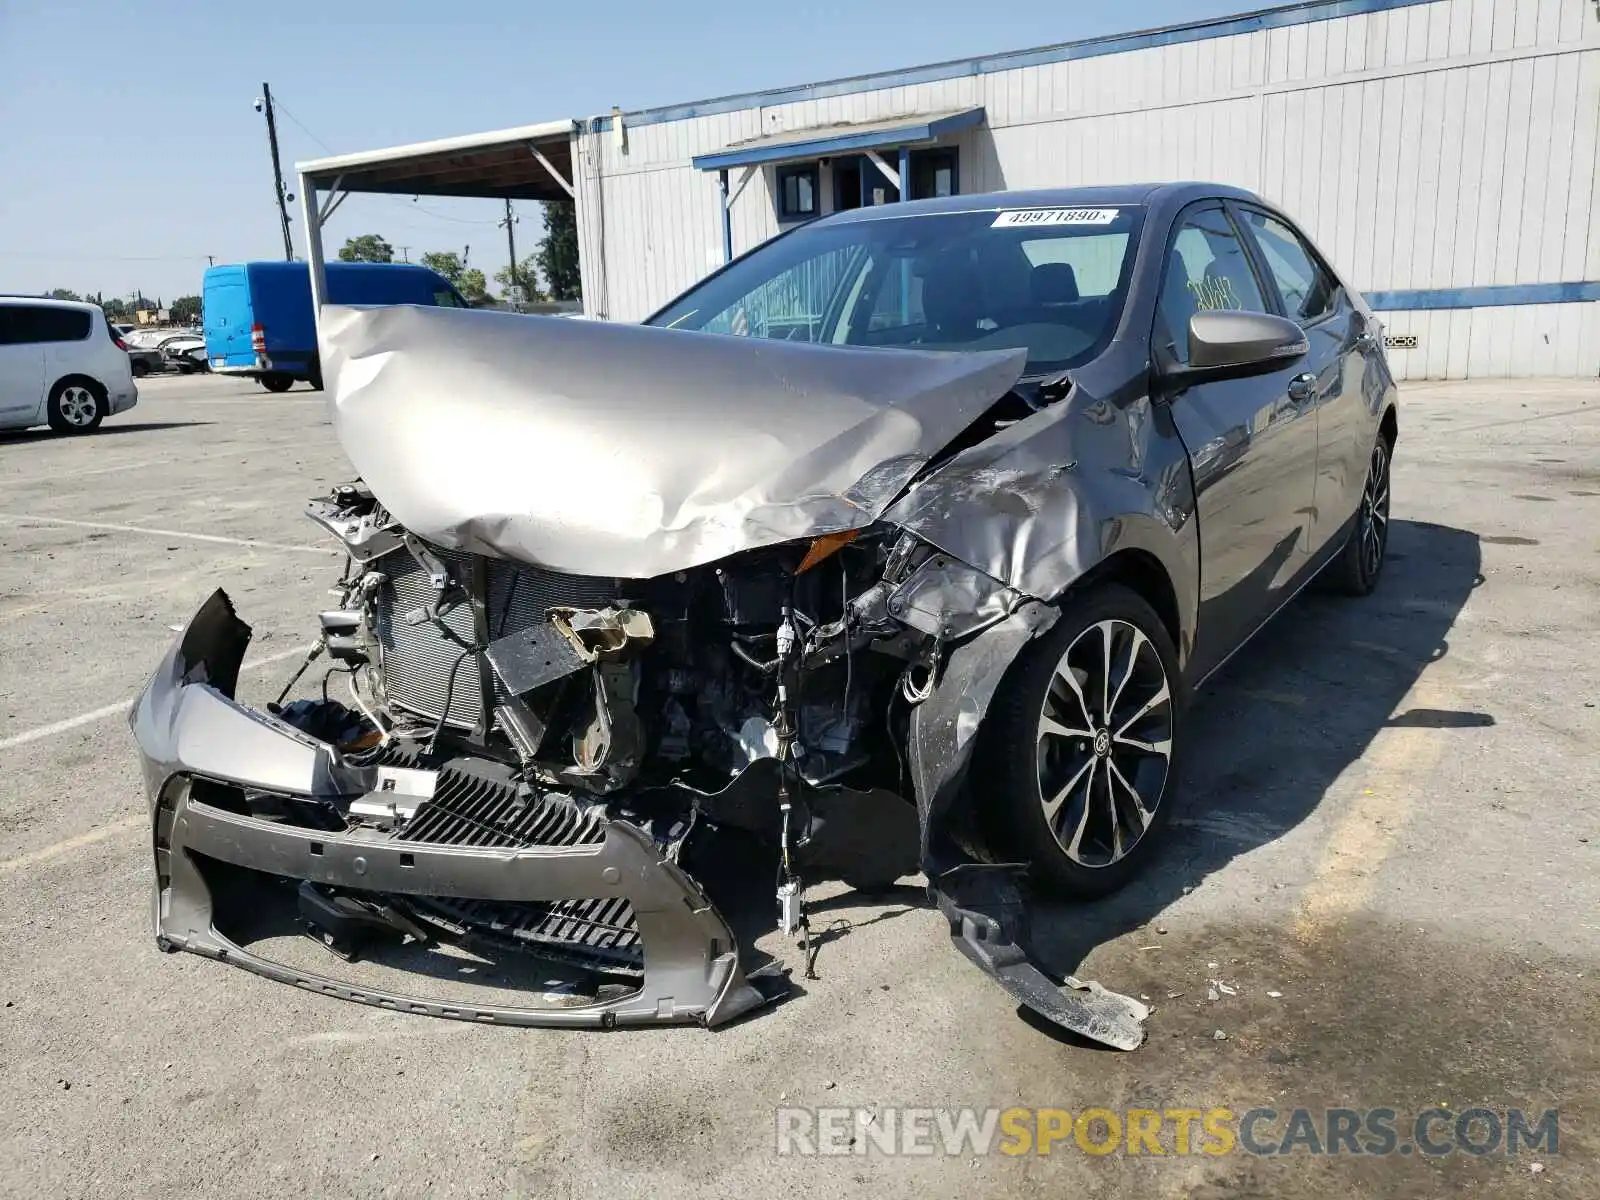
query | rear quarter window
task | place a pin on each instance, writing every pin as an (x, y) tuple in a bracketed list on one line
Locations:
[(47, 325)]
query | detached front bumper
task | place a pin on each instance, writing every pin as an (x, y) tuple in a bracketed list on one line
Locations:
[(188, 728)]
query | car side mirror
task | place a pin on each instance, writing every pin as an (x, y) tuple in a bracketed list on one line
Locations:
[(1227, 345)]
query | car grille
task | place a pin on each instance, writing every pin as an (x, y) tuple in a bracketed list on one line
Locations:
[(473, 804), (417, 659)]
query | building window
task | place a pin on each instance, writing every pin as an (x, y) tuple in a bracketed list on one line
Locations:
[(797, 192), (934, 173)]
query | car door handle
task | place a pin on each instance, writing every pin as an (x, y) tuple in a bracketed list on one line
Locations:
[(1302, 387)]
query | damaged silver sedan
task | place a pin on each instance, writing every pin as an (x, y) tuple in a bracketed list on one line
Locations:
[(896, 546)]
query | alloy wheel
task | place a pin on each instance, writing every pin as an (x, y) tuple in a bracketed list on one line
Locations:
[(78, 406), (1375, 511), (1105, 743)]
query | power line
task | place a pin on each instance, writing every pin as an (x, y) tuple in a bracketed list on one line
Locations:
[(102, 257)]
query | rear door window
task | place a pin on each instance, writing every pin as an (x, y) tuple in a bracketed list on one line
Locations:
[(1306, 287), (30, 324)]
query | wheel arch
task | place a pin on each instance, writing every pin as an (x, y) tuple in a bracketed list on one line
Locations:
[(1142, 572), (78, 377), (1389, 427)]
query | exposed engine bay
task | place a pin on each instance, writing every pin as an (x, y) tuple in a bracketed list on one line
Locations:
[(770, 692), (506, 752)]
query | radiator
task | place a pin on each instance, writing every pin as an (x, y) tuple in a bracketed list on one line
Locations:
[(417, 659)]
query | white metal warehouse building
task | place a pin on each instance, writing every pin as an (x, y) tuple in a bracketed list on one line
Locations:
[(1443, 153)]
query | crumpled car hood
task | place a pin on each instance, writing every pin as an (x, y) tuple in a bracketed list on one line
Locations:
[(631, 451)]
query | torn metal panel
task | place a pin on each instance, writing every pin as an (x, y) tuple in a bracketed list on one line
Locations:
[(609, 449), (944, 727), (949, 600), (1040, 503), (988, 919)]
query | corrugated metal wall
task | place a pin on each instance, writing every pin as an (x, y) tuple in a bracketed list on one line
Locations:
[(1434, 146)]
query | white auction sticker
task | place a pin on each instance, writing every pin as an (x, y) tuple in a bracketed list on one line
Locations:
[(1056, 216)]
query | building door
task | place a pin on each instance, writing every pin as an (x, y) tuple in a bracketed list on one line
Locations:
[(846, 183)]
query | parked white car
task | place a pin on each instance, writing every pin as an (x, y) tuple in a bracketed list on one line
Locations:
[(61, 364)]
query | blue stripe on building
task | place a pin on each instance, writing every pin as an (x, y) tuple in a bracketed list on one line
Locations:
[(1484, 297)]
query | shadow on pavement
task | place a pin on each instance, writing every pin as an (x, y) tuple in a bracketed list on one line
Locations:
[(1269, 735), (16, 436)]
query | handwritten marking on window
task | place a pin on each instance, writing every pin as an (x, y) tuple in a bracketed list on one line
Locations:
[(1214, 292)]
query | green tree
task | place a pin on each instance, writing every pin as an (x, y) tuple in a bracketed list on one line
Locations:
[(445, 262), (185, 309), (558, 251), (474, 288), (527, 278), (368, 247), (115, 308), (64, 294)]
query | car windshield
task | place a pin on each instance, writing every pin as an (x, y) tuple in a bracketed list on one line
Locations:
[(1048, 280)]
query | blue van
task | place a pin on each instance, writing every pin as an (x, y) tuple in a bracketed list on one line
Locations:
[(258, 320)]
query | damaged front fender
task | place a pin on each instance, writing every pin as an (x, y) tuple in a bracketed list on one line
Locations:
[(986, 904)]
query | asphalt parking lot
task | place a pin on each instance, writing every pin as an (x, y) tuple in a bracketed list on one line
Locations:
[(1390, 852)]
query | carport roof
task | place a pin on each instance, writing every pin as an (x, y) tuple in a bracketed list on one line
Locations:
[(529, 162), (819, 140)]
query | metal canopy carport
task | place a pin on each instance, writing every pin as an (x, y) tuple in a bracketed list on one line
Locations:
[(530, 162), (820, 141)]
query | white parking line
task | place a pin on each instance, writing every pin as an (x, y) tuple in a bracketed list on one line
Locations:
[(122, 706), (171, 533), (78, 842), (76, 474)]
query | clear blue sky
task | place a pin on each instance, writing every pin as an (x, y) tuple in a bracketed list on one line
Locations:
[(130, 150)]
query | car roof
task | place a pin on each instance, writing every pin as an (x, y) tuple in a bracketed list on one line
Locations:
[(1094, 196), (49, 302)]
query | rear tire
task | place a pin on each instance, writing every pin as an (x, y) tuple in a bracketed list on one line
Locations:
[(77, 405), (140, 368), (277, 383), (1081, 743), (1356, 569)]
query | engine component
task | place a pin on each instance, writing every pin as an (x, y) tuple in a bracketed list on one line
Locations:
[(417, 659), (531, 658)]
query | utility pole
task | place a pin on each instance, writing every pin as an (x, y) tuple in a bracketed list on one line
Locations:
[(511, 248), (265, 105), (405, 253)]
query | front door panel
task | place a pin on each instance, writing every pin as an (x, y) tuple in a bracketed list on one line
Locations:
[(1252, 444)]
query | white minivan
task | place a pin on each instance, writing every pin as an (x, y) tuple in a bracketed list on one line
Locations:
[(61, 364)]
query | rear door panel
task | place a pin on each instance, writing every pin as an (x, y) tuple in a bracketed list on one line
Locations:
[(1309, 293)]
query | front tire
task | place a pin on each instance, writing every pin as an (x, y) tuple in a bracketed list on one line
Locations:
[(1082, 742), (76, 406)]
